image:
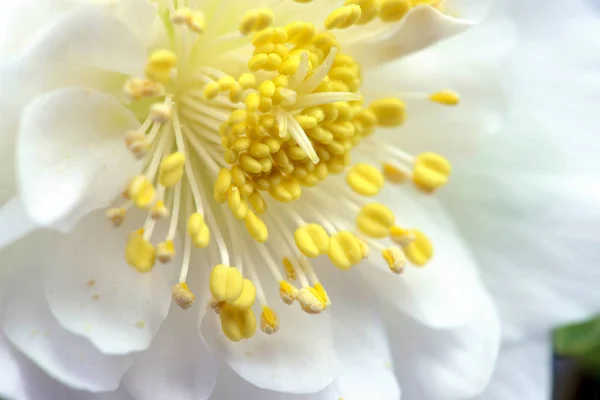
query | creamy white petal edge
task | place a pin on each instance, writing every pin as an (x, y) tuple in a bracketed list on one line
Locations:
[(94, 293), (523, 372), (533, 191)]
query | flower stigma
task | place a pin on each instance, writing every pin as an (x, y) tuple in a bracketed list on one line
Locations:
[(255, 146)]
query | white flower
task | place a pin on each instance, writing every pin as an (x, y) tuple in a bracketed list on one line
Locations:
[(87, 83)]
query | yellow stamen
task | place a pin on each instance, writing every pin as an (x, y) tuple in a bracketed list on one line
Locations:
[(401, 236), (365, 179), (394, 174), (369, 10), (345, 250), (312, 240), (420, 250), (160, 65), (290, 271), (165, 251), (445, 97), (430, 172), (159, 210), (116, 216), (393, 10), (390, 112), (237, 324), (183, 296), (395, 259), (256, 227), (226, 283), (269, 321), (247, 298), (255, 20), (375, 220), (198, 230), (310, 300), (139, 252), (343, 17), (171, 169), (287, 292), (141, 191)]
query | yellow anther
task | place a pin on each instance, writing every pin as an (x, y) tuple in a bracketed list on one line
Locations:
[(237, 324), (364, 247), (247, 81), (445, 97), (310, 300), (171, 169), (430, 172), (137, 143), (290, 271), (252, 101), (395, 259), (369, 10), (343, 17), (198, 230), (160, 112), (401, 236), (247, 298), (211, 90), (267, 88), (182, 295), (140, 88), (226, 283), (312, 240), (237, 205), (181, 16), (160, 65), (226, 83), (365, 179), (287, 292), (139, 252), (222, 184), (345, 250), (394, 174), (258, 61), (300, 33), (197, 22), (159, 210), (255, 20), (165, 251), (393, 10), (258, 150), (389, 112), (256, 227), (257, 202), (269, 321), (250, 164), (116, 215), (141, 191), (322, 294), (375, 220), (287, 191), (420, 250)]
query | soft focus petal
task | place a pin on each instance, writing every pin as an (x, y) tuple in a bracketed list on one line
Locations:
[(464, 64), (71, 156), (448, 364), (420, 28), (93, 292), (447, 291), (179, 365), (360, 341), (523, 371), (299, 358), (31, 328), (14, 222)]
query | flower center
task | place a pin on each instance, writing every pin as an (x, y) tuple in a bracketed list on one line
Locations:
[(258, 136)]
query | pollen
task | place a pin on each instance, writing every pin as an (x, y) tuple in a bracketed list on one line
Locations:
[(255, 140)]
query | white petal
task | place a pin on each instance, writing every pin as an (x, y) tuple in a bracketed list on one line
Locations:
[(137, 15), (360, 341), (14, 222), (89, 36), (446, 292), (179, 365), (299, 358), (71, 155), (422, 27), (445, 364), (523, 371), (93, 292), (464, 64), (70, 359)]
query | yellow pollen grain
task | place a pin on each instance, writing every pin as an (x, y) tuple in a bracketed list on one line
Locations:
[(182, 295), (390, 111), (139, 252), (345, 250), (312, 240), (393, 174), (141, 191), (165, 251), (255, 20), (237, 324), (420, 250), (269, 321), (375, 220), (287, 292), (445, 97), (226, 283), (160, 65), (430, 172), (290, 271), (343, 17), (393, 10), (365, 179), (247, 298), (198, 230)]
